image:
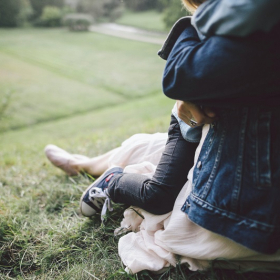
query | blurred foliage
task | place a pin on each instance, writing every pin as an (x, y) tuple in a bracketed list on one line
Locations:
[(15, 13), (25, 12), (173, 10), (51, 17), (116, 13), (78, 22), (9, 12), (38, 6), (113, 9), (49, 13), (110, 9), (95, 8)]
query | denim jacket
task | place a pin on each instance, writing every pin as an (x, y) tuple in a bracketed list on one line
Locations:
[(236, 182), (222, 71)]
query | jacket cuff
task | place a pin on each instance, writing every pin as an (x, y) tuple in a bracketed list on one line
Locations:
[(173, 35)]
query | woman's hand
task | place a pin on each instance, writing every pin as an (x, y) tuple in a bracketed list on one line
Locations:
[(194, 115)]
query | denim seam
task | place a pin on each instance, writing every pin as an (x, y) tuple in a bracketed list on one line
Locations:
[(202, 157), (238, 174), (260, 184), (216, 164)]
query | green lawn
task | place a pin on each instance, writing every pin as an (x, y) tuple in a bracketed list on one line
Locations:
[(149, 20), (86, 93), (52, 74)]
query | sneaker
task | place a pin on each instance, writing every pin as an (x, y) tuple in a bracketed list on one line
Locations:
[(95, 196)]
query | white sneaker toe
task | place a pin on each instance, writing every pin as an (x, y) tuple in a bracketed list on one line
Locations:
[(86, 210)]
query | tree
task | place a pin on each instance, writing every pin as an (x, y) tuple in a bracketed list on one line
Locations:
[(51, 17), (25, 12), (78, 22), (92, 7), (14, 12), (97, 8), (173, 10), (38, 6), (9, 11)]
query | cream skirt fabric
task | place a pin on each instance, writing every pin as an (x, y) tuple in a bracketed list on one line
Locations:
[(157, 240)]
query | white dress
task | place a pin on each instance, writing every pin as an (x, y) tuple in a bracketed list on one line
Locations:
[(157, 240)]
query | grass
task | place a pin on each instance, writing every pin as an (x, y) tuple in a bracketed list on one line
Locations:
[(149, 20), (77, 73), (42, 233)]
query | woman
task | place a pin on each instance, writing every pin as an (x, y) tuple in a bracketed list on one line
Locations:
[(230, 206), (232, 191), (235, 183)]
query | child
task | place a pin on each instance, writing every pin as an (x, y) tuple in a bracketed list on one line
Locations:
[(155, 195)]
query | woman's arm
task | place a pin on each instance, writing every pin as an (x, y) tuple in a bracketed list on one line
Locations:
[(222, 70)]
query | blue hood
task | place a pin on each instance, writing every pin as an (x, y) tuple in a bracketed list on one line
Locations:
[(236, 17)]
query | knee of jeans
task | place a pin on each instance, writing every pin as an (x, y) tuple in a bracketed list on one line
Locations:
[(159, 203)]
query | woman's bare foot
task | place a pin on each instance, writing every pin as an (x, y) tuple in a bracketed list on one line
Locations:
[(64, 160)]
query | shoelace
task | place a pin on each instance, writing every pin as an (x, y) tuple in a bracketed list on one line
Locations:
[(98, 193), (107, 205)]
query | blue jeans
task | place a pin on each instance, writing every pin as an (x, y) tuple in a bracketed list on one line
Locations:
[(157, 195)]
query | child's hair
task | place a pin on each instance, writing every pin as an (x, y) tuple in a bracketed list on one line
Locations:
[(192, 4)]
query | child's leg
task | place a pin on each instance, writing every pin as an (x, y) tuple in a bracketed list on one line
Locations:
[(157, 195)]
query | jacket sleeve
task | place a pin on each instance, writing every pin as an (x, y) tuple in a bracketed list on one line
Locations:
[(218, 68)]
